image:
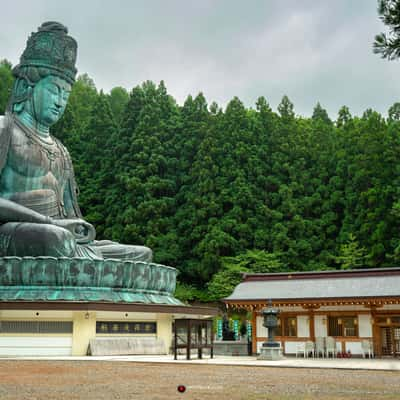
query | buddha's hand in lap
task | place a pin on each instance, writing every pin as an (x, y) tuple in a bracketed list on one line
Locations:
[(82, 230)]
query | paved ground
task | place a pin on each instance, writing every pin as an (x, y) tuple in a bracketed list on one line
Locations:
[(388, 364), (98, 380)]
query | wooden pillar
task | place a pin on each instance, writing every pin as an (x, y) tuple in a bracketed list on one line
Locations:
[(376, 334), (189, 342), (254, 332), (311, 325), (175, 341), (199, 341), (210, 324)]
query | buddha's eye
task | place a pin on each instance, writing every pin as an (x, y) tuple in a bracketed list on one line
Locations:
[(53, 89)]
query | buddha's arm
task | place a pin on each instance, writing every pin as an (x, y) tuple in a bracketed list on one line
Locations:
[(13, 212), (84, 232)]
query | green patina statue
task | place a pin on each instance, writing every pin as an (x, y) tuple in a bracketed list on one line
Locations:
[(48, 252), (39, 212)]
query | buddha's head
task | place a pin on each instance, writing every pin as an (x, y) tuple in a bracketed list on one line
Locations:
[(45, 74)]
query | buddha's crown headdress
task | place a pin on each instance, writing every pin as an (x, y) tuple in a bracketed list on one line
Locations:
[(51, 47)]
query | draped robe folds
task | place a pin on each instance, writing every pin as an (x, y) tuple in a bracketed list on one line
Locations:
[(37, 173)]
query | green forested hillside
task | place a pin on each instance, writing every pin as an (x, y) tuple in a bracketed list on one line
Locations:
[(218, 191)]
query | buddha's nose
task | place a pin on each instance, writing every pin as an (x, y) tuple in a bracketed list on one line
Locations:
[(57, 105), (58, 101)]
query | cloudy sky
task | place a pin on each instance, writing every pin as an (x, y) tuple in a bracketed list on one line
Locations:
[(311, 50)]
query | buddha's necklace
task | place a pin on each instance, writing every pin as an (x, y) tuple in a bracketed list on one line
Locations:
[(51, 149)]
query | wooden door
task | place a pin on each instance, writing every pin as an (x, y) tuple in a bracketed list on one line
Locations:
[(390, 341)]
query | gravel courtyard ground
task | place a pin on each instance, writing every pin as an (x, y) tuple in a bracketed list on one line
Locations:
[(69, 380)]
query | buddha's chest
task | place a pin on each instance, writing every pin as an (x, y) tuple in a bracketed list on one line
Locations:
[(33, 158)]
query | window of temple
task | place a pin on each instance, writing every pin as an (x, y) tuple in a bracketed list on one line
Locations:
[(35, 327), (287, 326), (343, 326)]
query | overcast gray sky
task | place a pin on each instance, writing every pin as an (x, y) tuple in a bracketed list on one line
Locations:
[(311, 50)]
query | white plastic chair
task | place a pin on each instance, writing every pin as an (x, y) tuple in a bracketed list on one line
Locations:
[(331, 347), (320, 346), (301, 349), (367, 348), (310, 348)]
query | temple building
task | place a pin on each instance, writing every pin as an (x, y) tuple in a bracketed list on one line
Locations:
[(68, 328), (351, 308)]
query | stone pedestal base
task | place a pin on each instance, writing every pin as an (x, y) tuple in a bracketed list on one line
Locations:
[(230, 348), (81, 279), (270, 352)]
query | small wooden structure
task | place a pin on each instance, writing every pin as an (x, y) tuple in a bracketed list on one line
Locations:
[(193, 334)]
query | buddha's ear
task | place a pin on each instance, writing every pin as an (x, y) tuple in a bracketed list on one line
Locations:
[(22, 93)]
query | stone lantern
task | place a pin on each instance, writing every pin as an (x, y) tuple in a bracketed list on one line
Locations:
[(270, 350)]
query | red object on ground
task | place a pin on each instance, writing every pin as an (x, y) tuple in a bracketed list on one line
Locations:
[(181, 388), (349, 354)]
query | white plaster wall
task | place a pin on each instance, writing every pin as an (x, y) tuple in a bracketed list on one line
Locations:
[(354, 347), (364, 325), (31, 315), (164, 330), (303, 326), (84, 329), (262, 331), (320, 326), (290, 347), (124, 316)]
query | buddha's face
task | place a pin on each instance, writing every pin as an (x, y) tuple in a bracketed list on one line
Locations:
[(50, 96)]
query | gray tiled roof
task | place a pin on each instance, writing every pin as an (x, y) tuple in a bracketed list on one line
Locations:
[(367, 286)]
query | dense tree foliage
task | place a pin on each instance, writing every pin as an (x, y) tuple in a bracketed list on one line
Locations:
[(252, 261), (219, 192), (6, 82), (388, 46)]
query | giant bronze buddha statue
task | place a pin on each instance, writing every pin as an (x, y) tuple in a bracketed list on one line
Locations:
[(39, 211)]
